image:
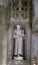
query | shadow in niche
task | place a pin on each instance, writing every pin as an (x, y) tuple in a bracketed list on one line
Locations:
[(24, 51), (13, 48)]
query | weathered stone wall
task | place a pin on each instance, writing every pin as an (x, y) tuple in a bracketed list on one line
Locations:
[(0, 47), (34, 47), (4, 2), (1, 34), (35, 18), (28, 39)]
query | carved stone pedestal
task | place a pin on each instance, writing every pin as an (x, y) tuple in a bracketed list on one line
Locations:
[(18, 58)]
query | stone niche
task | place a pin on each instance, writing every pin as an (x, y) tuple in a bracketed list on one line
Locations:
[(11, 29), (24, 40), (24, 26)]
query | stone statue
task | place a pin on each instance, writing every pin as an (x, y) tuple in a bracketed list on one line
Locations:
[(18, 36)]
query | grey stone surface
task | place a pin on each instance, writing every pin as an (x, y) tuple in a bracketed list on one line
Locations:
[(35, 18), (15, 62), (34, 47), (4, 2), (1, 47), (34, 43), (2, 34)]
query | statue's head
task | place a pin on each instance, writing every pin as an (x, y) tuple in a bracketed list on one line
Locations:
[(18, 26)]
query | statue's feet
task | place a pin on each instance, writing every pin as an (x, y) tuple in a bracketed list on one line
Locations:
[(20, 55), (20, 58)]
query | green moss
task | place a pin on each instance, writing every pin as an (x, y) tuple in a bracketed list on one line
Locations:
[(6, 12), (2, 9), (7, 17)]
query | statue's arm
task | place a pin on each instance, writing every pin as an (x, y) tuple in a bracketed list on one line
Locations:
[(14, 35)]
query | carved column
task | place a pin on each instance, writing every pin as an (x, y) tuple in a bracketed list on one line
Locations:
[(35, 17), (10, 41), (25, 44), (28, 34)]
